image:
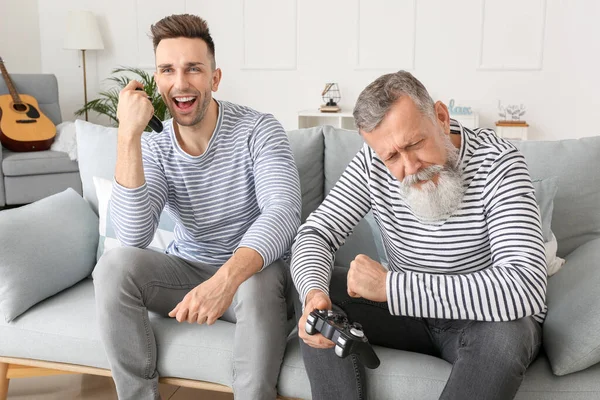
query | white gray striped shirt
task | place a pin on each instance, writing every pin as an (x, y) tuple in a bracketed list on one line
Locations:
[(243, 191), (486, 262)]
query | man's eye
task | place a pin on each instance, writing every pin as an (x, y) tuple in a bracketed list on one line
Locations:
[(166, 70), (415, 144), (195, 69)]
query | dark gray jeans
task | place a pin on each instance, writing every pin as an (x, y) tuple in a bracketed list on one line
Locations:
[(489, 358), (129, 282)]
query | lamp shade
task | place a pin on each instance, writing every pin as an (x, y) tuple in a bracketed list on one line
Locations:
[(82, 32)]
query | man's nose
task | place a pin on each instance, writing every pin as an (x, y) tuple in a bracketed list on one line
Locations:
[(411, 164), (181, 82)]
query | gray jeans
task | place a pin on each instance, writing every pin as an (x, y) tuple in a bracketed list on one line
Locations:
[(489, 358), (129, 282)]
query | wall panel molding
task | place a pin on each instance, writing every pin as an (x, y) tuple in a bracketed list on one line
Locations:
[(264, 42), (400, 32), (512, 35)]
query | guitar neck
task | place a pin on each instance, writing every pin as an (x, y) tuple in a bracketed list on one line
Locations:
[(9, 84)]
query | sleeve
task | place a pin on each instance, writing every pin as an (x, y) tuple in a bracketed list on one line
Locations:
[(135, 212), (277, 188), (514, 286), (328, 226)]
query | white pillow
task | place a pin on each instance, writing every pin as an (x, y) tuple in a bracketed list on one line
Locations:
[(552, 260), (66, 140), (108, 239)]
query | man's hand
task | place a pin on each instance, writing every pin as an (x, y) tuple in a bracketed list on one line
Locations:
[(134, 109), (366, 278), (314, 299), (206, 302)]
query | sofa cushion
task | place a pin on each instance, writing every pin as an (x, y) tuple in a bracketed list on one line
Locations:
[(545, 190), (37, 163), (576, 216), (340, 147), (307, 146), (46, 247), (63, 329), (97, 152), (572, 324), (67, 321), (408, 375), (108, 238)]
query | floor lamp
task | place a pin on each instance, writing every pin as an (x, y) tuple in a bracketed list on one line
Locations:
[(83, 34)]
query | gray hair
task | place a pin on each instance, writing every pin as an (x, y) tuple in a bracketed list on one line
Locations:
[(376, 99)]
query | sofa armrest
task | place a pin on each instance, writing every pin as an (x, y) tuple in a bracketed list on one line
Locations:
[(572, 324), (45, 247)]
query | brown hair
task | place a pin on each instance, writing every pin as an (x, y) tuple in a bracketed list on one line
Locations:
[(183, 25)]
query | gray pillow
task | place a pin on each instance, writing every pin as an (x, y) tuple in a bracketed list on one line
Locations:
[(545, 190), (307, 146), (97, 151), (45, 247), (571, 328)]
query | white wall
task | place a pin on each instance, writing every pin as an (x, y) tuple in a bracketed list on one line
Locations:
[(20, 36), (276, 55)]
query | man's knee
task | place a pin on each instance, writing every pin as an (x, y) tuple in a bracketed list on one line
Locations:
[(119, 267), (266, 286), (511, 344)]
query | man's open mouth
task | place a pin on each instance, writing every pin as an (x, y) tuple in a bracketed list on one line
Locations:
[(184, 102)]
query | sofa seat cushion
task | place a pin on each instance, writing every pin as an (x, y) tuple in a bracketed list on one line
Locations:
[(63, 329), (407, 375), (37, 163)]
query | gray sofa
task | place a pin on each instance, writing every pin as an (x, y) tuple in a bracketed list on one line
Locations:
[(61, 330), (30, 176)]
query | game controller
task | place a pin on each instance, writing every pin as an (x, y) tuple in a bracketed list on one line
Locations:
[(154, 123), (349, 338)]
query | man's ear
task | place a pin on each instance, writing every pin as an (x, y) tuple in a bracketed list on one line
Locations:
[(442, 116), (216, 79)]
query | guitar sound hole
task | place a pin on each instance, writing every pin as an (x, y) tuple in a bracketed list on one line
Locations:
[(20, 107)]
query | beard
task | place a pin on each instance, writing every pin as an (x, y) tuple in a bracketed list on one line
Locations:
[(433, 203), (201, 109)]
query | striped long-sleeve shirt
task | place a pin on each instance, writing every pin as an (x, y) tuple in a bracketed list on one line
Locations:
[(243, 191), (486, 262)]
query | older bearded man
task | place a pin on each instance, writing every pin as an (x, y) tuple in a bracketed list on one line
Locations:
[(466, 279)]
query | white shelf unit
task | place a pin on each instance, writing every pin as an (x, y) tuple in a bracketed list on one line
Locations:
[(512, 131), (310, 118), (345, 120)]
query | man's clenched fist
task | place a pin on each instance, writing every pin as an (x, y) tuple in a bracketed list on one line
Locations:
[(366, 278)]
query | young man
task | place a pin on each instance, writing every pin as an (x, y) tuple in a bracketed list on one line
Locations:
[(462, 232), (225, 173)]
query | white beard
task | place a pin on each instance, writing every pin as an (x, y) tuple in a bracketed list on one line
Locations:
[(433, 203)]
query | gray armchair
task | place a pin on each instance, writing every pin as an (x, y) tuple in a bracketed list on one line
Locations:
[(29, 176)]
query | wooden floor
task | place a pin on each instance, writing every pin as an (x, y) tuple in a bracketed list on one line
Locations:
[(91, 387)]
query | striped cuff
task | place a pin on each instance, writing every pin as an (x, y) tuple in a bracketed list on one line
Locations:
[(395, 281), (127, 193)]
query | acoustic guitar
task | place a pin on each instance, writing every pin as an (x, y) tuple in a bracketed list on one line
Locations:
[(23, 127)]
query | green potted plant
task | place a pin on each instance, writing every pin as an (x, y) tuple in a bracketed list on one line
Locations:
[(108, 101)]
